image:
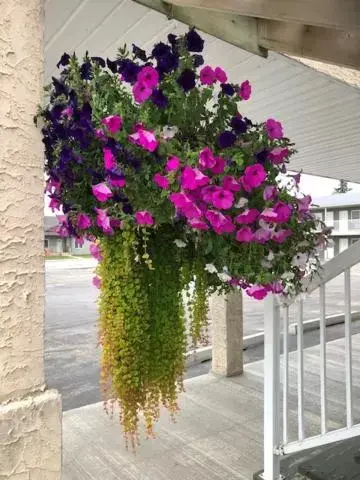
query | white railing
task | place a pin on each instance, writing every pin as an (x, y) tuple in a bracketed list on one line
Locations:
[(276, 379)]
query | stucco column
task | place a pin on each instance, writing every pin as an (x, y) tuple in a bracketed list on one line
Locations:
[(226, 315), (30, 415)]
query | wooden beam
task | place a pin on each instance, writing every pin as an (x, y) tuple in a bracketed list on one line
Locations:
[(239, 31), (327, 45), (339, 14)]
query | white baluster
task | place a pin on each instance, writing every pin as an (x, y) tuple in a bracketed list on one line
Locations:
[(285, 374), (323, 403), (348, 349), (300, 367)]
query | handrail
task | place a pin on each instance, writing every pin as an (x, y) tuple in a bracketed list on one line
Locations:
[(331, 269)]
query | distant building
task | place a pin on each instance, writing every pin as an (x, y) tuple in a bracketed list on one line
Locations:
[(342, 213), (54, 244)]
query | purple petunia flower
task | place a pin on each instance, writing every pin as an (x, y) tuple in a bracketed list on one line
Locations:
[(238, 125), (99, 60), (227, 89), (187, 80), (86, 70), (226, 139), (198, 60), (139, 53), (112, 65), (262, 156), (194, 43), (159, 99), (64, 60), (160, 49), (129, 70)]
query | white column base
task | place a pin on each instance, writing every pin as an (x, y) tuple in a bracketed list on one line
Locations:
[(30, 437)]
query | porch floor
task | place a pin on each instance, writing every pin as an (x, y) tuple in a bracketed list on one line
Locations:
[(218, 434)]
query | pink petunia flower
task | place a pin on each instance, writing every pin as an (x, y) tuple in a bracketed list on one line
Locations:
[(100, 134), (223, 199), (96, 282), (229, 183), (220, 75), (283, 211), (269, 215), (281, 235), (193, 178), (144, 218), (54, 204), (276, 287), (117, 180), (278, 155), (103, 221), (206, 158), (304, 203), (113, 123), (79, 242), (254, 175), (245, 90), (219, 166), (198, 224), (207, 75), (141, 92), (95, 251), (219, 222), (83, 221), (145, 138), (270, 193), (244, 235), (273, 129), (262, 235), (248, 216), (173, 163), (109, 159), (67, 112), (258, 292), (148, 76), (161, 181), (102, 192)]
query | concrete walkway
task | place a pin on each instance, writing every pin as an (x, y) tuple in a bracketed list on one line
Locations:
[(218, 434), (70, 263)]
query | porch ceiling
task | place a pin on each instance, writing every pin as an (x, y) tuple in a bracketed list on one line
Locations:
[(320, 113)]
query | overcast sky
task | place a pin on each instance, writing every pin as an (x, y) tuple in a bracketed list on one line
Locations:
[(315, 186)]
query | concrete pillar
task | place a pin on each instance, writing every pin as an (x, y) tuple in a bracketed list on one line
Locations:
[(226, 315), (30, 415)]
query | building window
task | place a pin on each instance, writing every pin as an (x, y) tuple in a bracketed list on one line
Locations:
[(354, 221), (319, 215), (354, 240), (46, 243)]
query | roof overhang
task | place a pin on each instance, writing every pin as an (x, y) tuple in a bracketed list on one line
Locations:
[(326, 30)]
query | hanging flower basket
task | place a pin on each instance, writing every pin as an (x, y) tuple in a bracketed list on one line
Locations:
[(150, 157)]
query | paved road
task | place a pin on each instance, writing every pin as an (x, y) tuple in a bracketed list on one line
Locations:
[(71, 352)]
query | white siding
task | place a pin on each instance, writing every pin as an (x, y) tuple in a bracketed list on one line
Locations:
[(343, 244)]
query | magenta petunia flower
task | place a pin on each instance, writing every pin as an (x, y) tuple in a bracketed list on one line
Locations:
[(145, 138), (148, 76), (83, 221), (54, 204), (219, 166), (254, 175), (262, 235), (281, 235), (283, 211), (248, 216), (144, 218), (258, 292), (245, 90), (79, 241), (191, 210), (113, 123), (102, 192), (278, 155), (207, 75), (245, 235), (229, 183), (179, 199), (193, 178), (220, 223), (109, 159), (100, 134), (95, 251), (67, 112), (141, 92), (161, 181), (276, 287), (270, 193), (273, 129), (269, 215), (173, 163), (223, 199), (103, 221), (206, 158), (96, 282), (220, 75), (198, 224)]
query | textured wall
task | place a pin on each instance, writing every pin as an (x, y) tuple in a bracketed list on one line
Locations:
[(21, 199), (30, 438)]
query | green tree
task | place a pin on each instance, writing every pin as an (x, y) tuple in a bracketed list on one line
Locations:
[(342, 188)]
